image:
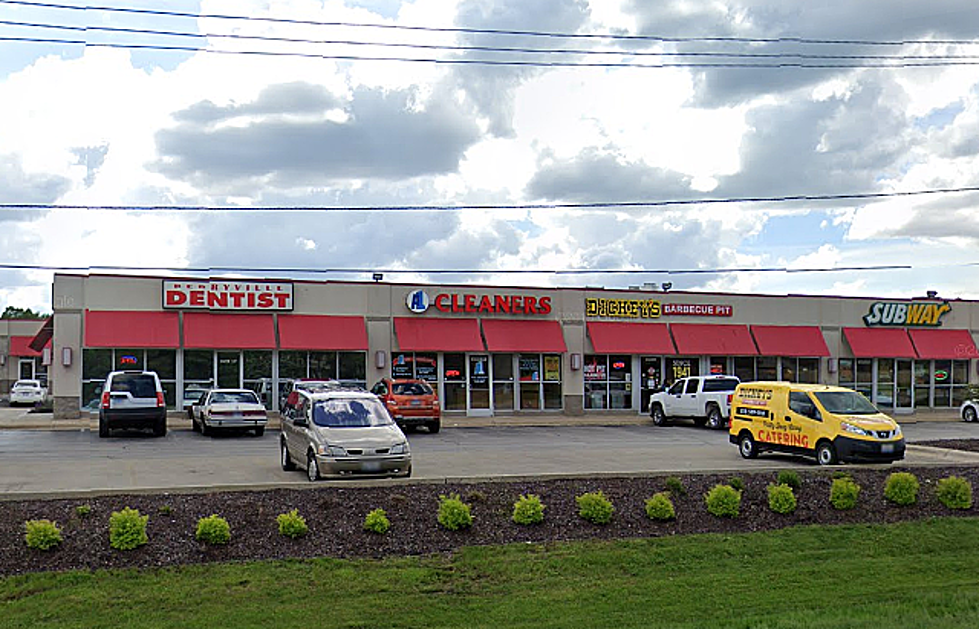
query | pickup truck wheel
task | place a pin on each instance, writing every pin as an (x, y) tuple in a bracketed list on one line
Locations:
[(969, 414), (312, 469), (284, 459), (659, 417), (746, 445), (714, 419), (825, 453)]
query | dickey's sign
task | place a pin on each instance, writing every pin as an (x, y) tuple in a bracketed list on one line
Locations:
[(227, 295), (650, 309), (901, 313)]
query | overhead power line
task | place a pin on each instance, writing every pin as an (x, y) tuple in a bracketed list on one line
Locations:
[(618, 205), (493, 31), (468, 48), (496, 62)]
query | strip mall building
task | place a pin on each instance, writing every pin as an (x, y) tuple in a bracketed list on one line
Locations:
[(496, 350)]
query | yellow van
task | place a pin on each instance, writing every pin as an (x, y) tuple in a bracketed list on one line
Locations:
[(829, 423)]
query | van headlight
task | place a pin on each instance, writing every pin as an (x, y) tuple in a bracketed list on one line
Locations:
[(401, 448), (332, 451), (856, 430), (897, 430)]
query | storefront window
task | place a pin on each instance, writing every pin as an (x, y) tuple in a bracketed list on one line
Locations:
[(257, 368), (503, 382), (96, 364), (407, 365), (677, 368), (808, 371), (788, 369), (163, 362), (454, 382), (292, 365), (540, 381), (128, 359), (199, 366), (323, 366), (921, 384), (608, 382), (718, 365), (885, 383), (744, 368), (552, 382), (353, 368), (767, 367)]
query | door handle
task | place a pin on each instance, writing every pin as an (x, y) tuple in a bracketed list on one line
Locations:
[(788, 419)]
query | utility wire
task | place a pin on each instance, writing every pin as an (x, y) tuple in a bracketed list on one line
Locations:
[(492, 31), (619, 205), (493, 62), (463, 48)]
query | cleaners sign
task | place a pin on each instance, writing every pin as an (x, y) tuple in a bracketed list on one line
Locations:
[(227, 295), (926, 314)]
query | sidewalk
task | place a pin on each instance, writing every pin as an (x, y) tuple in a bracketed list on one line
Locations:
[(23, 419)]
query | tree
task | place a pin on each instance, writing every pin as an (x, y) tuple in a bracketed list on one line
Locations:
[(12, 312)]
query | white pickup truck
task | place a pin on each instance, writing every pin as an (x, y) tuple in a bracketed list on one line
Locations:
[(704, 399)]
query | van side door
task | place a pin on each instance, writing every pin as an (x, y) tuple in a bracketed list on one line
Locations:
[(803, 422)]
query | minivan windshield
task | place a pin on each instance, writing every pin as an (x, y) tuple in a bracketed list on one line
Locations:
[(350, 413), (846, 403)]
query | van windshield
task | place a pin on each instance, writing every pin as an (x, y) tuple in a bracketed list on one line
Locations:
[(346, 413), (846, 403)]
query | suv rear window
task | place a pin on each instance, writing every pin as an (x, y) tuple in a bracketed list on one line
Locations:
[(138, 385), (720, 384), (411, 388)]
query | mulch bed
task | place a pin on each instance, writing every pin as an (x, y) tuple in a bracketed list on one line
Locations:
[(335, 515)]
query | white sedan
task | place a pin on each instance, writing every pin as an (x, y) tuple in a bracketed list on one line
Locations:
[(969, 410), (29, 392), (229, 408)]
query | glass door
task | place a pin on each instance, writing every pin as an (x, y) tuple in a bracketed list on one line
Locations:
[(479, 384), (229, 370), (652, 379), (905, 390), (26, 369)]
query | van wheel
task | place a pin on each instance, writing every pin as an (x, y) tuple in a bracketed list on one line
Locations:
[(714, 419), (312, 469), (969, 414), (284, 459), (825, 453), (746, 444), (659, 417)]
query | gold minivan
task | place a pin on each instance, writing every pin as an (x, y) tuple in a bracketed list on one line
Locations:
[(826, 422)]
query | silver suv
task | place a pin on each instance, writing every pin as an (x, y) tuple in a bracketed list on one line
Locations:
[(341, 433), (132, 399)]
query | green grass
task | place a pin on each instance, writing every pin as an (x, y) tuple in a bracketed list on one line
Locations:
[(906, 575)]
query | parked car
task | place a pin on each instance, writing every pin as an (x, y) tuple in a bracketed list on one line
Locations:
[(343, 432), (28, 392), (410, 402), (309, 386), (132, 399), (969, 411), (193, 396), (704, 399), (224, 409)]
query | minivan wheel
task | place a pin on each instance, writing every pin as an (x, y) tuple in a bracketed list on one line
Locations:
[(746, 445), (825, 453), (284, 459), (659, 417), (714, 419), (312, 469), (969, 414)]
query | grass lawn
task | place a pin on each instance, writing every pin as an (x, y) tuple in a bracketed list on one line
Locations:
[(922, 574)]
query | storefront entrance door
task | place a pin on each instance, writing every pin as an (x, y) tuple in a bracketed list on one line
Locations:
[(229, 370), (479, 384), (27, 369), (905, 389)]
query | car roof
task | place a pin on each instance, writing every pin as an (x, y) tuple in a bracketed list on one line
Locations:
[(797, 386), (231, 391), (356, 394)]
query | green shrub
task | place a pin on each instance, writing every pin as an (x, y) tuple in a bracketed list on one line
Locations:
[(127, 529), (454, 514), (213, 530), (841, 474), (955, 492), (292, 524), (736, 482), (901, 488), (528, 510), (377, 522), (844, 493), (83, 510), (42, 534), (660, 507), (595, 507), (723, 501), (165, 509), (790, 478), (675, 486), (781, 498)]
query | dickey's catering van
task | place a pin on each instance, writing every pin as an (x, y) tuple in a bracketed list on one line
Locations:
[(830, 423)]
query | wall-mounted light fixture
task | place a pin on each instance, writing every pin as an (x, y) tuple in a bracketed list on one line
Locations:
[(575, 362), (46, 357), (3, 359), (379, 359), (66, 356)]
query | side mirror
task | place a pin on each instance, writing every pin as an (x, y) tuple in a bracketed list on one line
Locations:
[(300, 421)]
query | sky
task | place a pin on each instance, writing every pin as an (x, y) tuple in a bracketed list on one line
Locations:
[(106, 121)]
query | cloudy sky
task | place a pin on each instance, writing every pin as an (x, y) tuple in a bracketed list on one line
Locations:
[(312, 124)]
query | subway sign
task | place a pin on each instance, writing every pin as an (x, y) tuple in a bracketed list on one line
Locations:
[(926, 314), (227, 295), (418, 302)]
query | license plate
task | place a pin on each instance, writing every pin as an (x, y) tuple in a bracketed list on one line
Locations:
[(887, 448), (372, 466), (416, 402)]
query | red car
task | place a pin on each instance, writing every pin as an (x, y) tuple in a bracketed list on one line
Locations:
[(411, 403)]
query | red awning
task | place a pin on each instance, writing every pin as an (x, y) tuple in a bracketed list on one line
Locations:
[(880, 342), (314, 332), (944, 344), (432, 334), (524, 336), (228, 331), (131, 329), (43, 337), (609, 337), (701, 339), (789, 340), (21, 346)]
